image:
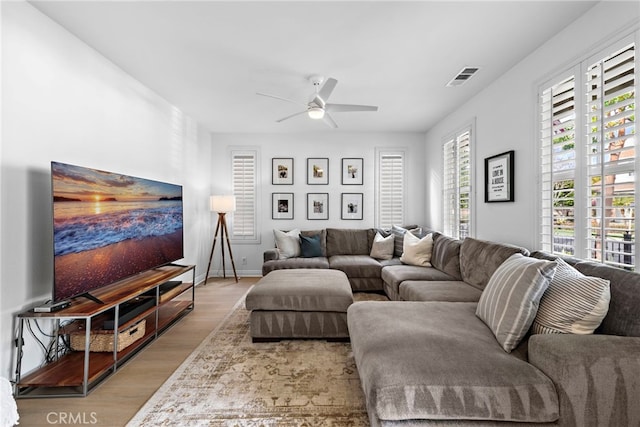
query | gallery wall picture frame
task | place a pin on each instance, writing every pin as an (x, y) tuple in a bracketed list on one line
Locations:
[(282, 171), (318, 171), (352, 171), (317, 206), (282, 205), (499, 178), (352, 207)]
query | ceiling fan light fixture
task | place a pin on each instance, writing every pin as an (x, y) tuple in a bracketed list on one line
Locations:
[(316, 113)]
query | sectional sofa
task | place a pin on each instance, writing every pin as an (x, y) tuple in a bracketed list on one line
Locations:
[(439, 353)]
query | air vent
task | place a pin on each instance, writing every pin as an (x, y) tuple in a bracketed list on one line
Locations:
[(463, 76)]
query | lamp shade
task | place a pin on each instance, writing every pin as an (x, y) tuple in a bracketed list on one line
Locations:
[(222, 204)]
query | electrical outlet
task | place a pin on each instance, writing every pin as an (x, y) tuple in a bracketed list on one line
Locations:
[(244, 260)]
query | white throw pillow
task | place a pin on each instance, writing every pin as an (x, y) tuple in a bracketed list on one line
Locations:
[(382, 247), (417, 251), (288, 243), (573, 303)]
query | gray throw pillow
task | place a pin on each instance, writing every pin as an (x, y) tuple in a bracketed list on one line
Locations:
[(509, 303)]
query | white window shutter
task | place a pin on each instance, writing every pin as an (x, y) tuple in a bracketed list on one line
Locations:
[(588, 186), (611, 159), (244, 178), (457, 183), (391, 188), (558, 167)]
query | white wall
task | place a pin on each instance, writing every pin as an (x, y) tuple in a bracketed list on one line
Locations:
[(63, 101), (505, 115), (332, 145)]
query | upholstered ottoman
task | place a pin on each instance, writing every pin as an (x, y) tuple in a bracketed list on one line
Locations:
[(300, 303)]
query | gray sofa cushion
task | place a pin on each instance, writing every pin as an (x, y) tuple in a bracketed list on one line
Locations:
[(395, 274), (289, 263), (356, 265), (622, 317), (446, 255), (344, 241), (480, 258), (451, 290), (438, 361)]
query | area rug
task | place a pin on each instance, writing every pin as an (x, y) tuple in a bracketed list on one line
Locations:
[(230, 381)]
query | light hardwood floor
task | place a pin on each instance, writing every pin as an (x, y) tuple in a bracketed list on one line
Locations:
[(114, 402)]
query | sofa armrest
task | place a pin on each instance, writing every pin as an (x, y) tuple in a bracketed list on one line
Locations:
[(270, 255), (597, 377)]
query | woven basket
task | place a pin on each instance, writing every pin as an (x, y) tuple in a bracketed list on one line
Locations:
[(102, 340)]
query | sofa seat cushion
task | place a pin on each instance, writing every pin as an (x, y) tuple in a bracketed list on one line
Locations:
[(438, 361), (395, 274), (356, 265), (436, 290), (298, 262)]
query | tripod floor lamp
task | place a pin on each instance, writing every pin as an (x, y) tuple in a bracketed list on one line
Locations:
[(222, 205)]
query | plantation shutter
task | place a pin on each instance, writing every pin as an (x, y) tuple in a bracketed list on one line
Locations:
[(449, 195), (464, 184), (457, 185), (391, 189), (611, 158), (558, 167), (244, 189)]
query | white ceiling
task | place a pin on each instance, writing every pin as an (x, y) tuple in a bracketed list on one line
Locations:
[(209, 58)]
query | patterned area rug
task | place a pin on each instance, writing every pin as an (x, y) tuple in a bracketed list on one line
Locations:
[(229, 381)]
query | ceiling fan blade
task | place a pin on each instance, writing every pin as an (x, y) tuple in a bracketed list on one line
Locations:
[(281, 98), (293, 115), (340, 108), (329, 120), (327, 88)]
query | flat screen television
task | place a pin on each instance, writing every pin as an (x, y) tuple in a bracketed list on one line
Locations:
[(109, 226)]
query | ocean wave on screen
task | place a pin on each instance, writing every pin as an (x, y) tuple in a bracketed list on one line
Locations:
[(84, 233)]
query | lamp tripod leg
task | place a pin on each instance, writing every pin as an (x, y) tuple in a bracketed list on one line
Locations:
[(215, 237), (226, 233)]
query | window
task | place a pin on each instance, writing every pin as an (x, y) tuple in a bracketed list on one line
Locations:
[(457, 182), (588, 183), (391, 188), (244, 173)]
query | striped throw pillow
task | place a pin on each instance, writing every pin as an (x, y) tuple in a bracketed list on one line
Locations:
[(573, 303), (509, 303)]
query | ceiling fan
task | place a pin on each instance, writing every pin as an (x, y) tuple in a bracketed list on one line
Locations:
[(318, 108)]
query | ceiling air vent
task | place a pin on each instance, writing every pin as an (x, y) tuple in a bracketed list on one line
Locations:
[(463, 76)]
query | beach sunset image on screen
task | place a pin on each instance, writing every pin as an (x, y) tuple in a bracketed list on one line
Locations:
[(109, 226)]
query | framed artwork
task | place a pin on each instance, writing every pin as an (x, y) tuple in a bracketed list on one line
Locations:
[(351, 206), (352, 170), (317, 205), (317, 171), (499, 178), (282, 205), (282, 171)]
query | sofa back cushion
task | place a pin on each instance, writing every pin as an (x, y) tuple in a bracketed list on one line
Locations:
[(624, 287), (345, 241), (622, 317), (479, 259), (446, 255)]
